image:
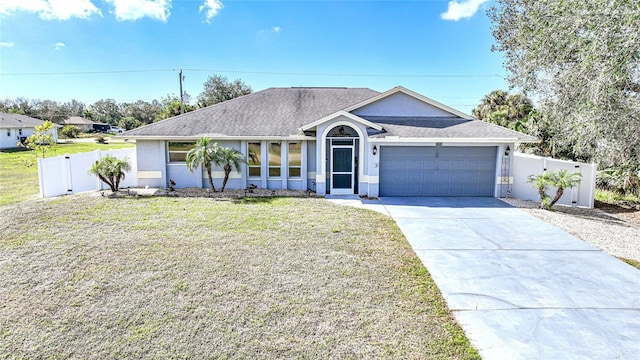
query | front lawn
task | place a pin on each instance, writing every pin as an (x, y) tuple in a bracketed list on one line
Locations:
[(19, 170), (96, 277)]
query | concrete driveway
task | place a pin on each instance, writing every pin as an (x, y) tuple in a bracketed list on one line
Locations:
[(519, 287)]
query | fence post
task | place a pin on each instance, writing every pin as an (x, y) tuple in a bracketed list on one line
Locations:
[(98, 156), (592, 189), (575, 191), (68, 174), (40, 176)]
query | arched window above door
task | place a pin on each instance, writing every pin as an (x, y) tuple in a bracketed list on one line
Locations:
[(342, 131)]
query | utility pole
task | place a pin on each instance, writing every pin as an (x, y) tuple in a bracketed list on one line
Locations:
[(181, 96)]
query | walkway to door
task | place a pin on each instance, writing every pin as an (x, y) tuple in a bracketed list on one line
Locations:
[(519, 287)]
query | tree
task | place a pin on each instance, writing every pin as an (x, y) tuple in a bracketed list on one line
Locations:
[(143, 111), (41, 140), (500, 108), (19, 105), (105, 111), (110, 170), (560, 179), (69, 131), (581, 61), (171, 106), (228, 158), (218, 89), (204, 154), (49, 110), (129, 123), (74, 107)]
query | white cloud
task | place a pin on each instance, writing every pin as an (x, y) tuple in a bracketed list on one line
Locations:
[(59, 45), (51, 9), (6, 44), (462, 10), (273, 29), (211, 9), (136, 9)]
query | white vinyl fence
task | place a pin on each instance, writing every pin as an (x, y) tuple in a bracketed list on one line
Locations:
[(68, 174), (525, 165)]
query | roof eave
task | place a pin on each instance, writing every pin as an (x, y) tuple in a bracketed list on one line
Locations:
[(215, 137), (398, 139)]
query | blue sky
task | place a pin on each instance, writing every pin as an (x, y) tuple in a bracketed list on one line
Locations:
[(131, 50)]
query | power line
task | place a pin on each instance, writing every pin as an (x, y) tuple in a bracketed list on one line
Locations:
[(258, 73), (85, 72)]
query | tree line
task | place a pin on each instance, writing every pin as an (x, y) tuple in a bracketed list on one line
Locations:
[(127, 115), (580, 61)]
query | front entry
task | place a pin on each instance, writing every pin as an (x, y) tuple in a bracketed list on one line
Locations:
[(342, 169), (343, 146)]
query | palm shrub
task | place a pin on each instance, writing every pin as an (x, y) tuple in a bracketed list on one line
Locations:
[(205, 154), (624, 180), (541, 183), (228, 158), (560, 179), (110, 170)]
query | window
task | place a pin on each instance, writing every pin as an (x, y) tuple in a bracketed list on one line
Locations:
[(8, 132), (19, 132), (295, 159), (178, 150), (274, 159), (254, 159)]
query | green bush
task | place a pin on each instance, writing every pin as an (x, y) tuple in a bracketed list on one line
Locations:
[(101, 139), (69, 131), (624, 180)]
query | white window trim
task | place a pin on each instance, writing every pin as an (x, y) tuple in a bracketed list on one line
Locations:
[(289, 161), (169, 152), (269, 167), (249, 167)]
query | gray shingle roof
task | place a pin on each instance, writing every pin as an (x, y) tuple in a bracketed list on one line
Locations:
[(270, 112), (443, 127), (283, 111), (16, 121), (77, 120)]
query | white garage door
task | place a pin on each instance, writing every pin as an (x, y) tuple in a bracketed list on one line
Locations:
[(437, 171)]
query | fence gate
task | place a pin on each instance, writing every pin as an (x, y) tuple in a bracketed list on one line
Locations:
[(68, 174)]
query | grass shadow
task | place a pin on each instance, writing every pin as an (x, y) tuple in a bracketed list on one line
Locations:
[(14, 150), (256, 199)]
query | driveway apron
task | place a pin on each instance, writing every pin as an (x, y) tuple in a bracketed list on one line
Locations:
[(519, 287)]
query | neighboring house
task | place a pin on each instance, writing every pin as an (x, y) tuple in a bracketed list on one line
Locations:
[(84, 125), (15, 128), (336, 141)]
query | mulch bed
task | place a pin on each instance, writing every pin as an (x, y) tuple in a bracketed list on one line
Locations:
[(202, 192)]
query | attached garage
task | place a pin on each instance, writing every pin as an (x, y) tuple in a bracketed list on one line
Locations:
[(437, 170)]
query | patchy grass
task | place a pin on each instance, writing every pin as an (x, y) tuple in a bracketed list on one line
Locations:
[(631, 262), (19, 180), (611, 197), (94, 277)]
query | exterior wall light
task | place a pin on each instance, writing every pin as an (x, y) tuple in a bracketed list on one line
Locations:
[(507, 151), (375, 149)]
